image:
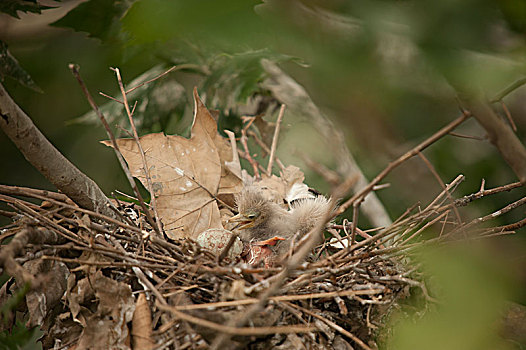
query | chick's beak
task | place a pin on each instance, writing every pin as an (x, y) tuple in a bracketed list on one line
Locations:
[(242, 221)]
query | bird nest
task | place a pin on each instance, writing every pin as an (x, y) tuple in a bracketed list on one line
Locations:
[(95, 282)]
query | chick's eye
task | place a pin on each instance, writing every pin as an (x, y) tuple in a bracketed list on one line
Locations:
[(251, 216)]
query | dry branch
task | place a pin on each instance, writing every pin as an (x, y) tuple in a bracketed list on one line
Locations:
[(411, 153), (56, 168), (157, 223), (501, 136)]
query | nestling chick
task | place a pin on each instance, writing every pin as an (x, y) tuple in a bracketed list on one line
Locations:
[(260, 220)]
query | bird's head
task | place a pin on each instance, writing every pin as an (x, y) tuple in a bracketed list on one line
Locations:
[(247, 219), (254, 210)]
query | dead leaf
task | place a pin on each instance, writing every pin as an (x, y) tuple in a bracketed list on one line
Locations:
[(107, 328), (40, 302), (277, 189), (188, 175), (142, 324)]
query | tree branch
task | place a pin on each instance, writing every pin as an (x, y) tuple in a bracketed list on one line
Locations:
[(501, 136), (56, 168)]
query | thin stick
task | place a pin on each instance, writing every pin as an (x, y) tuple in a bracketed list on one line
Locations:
[(456, 134), (438, 135), (495, 214), (482, 193), (265, 148), (279, 298), (247, 155), (76, 74), (330, 176), (243, 331), (275, 139), (508, 116), (151, 80), (332, 325), (110, 97), (226, 249), (31, 192), (354, 223), (437, 177), (157, 223), (509, 89)]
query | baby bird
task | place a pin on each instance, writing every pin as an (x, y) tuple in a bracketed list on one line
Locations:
[(262, 222)]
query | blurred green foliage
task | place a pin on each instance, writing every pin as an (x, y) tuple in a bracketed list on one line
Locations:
[(468, 303), (388, 72)]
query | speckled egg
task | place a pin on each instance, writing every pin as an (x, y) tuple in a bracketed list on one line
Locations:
[(215, 239)]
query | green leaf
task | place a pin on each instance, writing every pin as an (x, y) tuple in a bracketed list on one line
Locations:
[(21, 337), (99, 18), (234, 78), (9, 67), (11, 7)]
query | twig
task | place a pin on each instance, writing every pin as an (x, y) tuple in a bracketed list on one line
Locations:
[(157, 223), (482, 193), (32, 192), (438, 135), (500, 135), (76, 74), (240, 331), (56, 168), (227, 247), (508, 116), (47, 222), (330, 176), (332, 325), (280, 298), (9, 252), (439, 180), (107, 263), (264, 147), (495, 214), (154, 79), (361, 233), (456, 134), (247, 155), (354, 223), (110, 97), (275, 139), (93, 214), (509, 89), (118, 212)]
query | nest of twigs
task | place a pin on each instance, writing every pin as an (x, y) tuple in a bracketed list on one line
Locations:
[(96, 282)]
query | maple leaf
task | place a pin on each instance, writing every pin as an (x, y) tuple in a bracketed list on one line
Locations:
[(188, 175)]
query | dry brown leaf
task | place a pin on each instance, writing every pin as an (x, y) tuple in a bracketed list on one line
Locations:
[(230, 182), (188, 175), (277, 188), (142, 324), (41, 301), (107, 328)]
